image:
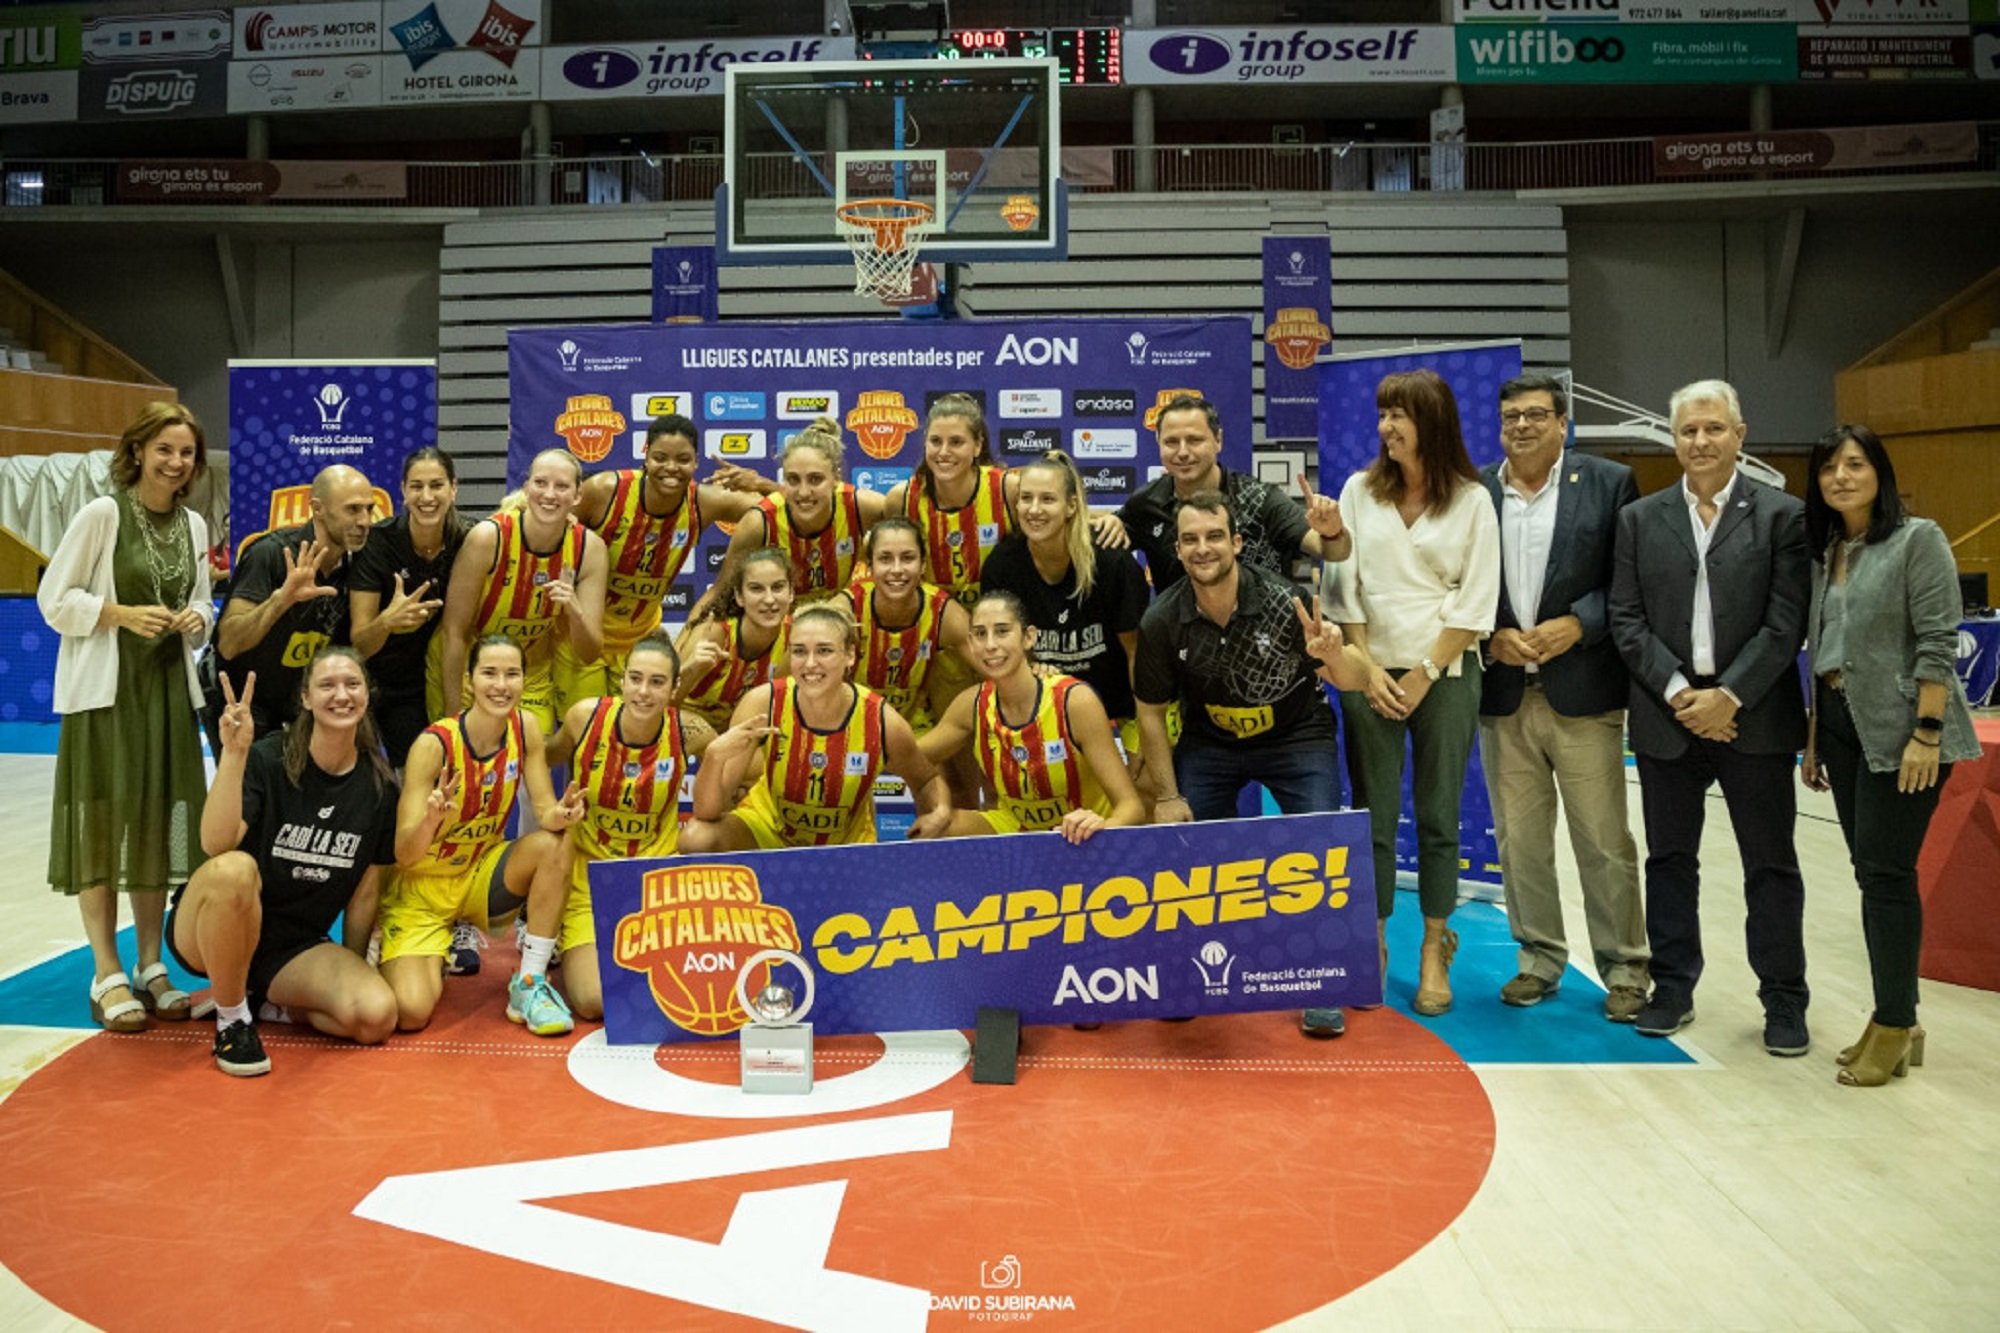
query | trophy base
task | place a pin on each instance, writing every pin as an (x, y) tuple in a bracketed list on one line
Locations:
[(778, 1060)]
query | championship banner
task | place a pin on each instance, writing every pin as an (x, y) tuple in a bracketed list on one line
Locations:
[(1298, 305), (684, 284), (289, 419), (1087, 386), (1348, 443), (1234, 916)]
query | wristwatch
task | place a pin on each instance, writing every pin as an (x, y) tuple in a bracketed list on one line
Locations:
[(1930, 724), (1430, 669)]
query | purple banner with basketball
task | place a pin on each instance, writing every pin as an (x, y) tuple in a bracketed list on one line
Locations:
[(289, 419), (1087, 386), (1298, 326), (1228, 917)]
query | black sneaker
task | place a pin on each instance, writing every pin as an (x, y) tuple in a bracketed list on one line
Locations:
[(240, 1051), (1785, 1029), (1323, 1022), (1664, 1015)]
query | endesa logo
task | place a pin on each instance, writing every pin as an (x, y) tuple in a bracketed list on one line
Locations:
[(1100, 442), (1028, 441), (1103, 402), (733, 405), (736, 445), (1031, 403), (806, 404)]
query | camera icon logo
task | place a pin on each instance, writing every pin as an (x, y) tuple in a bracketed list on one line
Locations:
[(1001, 1275)]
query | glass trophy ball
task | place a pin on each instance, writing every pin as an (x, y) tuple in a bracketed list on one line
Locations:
[(774, 1004)]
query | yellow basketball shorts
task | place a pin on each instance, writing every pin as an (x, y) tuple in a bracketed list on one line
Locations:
[(759, 815), (418, 910)]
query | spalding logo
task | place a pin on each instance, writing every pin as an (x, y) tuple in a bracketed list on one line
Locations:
[(1190, 53)]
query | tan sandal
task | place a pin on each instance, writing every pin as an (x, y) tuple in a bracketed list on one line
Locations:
[(127, 1015), (171, 1005)]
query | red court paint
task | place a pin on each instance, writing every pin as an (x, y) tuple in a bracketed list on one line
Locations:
[(1225, 1173)]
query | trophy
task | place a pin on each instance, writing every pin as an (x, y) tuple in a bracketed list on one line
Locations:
[(778, 1044)]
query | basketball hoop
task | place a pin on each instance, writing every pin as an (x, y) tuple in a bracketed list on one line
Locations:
[(880, 232)]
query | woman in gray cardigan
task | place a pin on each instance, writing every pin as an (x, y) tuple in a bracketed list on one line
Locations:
[(1889, 715)]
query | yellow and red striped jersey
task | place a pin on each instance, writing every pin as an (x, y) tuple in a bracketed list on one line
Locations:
[(631, 793), (822, 781), (645, 552), (487, 784), (823, 563), (1037, 770), (957, 541), (715, 694), (896, 661), (515, 601)]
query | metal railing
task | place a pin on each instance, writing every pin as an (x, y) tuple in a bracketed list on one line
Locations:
[(1355, 167)]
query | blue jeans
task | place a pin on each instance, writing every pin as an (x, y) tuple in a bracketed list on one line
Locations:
[(1302, 779)]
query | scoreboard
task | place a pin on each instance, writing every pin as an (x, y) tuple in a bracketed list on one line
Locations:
[(1084, 55)]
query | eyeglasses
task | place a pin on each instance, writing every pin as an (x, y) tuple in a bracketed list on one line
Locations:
[(1533, 416)]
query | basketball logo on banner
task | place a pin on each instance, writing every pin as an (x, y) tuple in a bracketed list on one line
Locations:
[(880, 419), (1296, 335), (693, 924), (590, 425)]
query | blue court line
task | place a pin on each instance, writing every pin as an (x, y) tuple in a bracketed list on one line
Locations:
[(29, 737), (55, 993)]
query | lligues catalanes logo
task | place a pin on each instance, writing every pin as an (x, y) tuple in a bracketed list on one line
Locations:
[(1020, 212), (1159, 403), (1296, 335), (693, 925), (880, 420), (590, 425)]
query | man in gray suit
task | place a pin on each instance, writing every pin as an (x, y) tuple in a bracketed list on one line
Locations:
[(1552, 707), (1708, 606)]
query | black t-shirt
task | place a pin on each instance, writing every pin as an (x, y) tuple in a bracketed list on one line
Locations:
[(280, 658), (315, 841), (1245, 683), (1077, 638), (1272, 524), (398, 667)]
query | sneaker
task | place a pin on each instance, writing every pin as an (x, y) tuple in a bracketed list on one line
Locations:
[(1785, 1029), (1527, 990), (1623, 1003), (466, 942), (240, 1051), (532, 1001), (1323, 1022), (1663, 1016)]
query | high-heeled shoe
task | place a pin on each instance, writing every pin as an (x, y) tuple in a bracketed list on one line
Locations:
[(1846, 1057), (1434, 968), (1882, 1054)]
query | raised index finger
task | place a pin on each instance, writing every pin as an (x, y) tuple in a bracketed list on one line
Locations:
[(228, 690), (249, 688), (1305, 489)]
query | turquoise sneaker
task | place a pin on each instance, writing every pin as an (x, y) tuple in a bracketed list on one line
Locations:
[(533, 1002)]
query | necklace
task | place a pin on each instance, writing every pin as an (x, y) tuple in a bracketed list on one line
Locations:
[(169, 550)]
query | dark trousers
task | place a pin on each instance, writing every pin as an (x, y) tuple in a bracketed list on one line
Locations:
[(1885, 831), (1302, 779), (1763, 806)]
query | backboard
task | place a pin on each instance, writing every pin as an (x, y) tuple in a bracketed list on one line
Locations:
[(976, 141)]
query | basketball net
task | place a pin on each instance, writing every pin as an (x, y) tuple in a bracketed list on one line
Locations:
[(881, 233)]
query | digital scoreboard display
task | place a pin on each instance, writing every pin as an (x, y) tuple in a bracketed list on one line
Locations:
[(1084, 55)]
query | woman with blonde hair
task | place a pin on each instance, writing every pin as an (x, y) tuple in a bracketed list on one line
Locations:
[(128, 591), (816, 519)]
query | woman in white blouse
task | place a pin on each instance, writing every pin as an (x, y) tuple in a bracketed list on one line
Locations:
[(128, 591), (1414, 600)]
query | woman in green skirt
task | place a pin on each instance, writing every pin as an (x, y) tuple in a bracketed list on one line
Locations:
[(128, 591)]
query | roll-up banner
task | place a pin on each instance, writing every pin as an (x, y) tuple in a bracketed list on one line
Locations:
[(1298, 297)]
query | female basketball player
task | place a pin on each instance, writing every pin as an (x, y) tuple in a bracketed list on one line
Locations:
[(960, 500), (817, 743), (737, 642), (816, 519), (905, 627), (1043, 743), (458, 795), (631, 753)]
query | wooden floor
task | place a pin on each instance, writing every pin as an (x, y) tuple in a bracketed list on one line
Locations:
[(1744, 1192)]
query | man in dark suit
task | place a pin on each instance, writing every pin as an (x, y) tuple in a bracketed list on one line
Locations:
[(1552, 707), (1708, 606)]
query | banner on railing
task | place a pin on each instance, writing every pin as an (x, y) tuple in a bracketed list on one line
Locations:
[(1086, 386), (1233, 916), (289, 419), (233, 181), (1631, 53), (1298, 301), (1816, 150), (1404, 53), (684, 284)]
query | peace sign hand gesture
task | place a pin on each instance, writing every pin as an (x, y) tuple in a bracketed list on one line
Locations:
[(567, 811), (408, 610), (1322, 511), (236, 723), (444, 796), (1323, 638)]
